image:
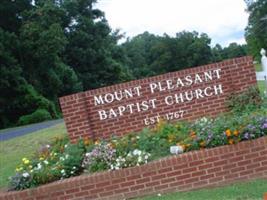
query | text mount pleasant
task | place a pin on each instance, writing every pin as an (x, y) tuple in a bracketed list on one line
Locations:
[(166, 85)]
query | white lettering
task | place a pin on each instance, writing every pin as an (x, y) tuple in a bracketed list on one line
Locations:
[(102, 114), (218, 89), (217, 73), (167, 100), (206, 92), (153, 86)]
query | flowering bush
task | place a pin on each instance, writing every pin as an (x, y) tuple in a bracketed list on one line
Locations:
[(57, 161), (207, 133), (100, 158), (62, 159), (133, 158), (104, 156)]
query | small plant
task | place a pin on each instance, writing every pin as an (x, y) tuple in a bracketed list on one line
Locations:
[(246, 101), (100, 158), (131, 159)]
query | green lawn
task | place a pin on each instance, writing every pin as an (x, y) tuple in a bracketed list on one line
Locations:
[(13, 150), (253, 190), (258, 67), (262, 86)]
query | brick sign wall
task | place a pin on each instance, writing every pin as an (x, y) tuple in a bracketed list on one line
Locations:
[(181, 95)]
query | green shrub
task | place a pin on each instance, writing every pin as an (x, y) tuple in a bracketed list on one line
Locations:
[(37, 116), (246, 101)]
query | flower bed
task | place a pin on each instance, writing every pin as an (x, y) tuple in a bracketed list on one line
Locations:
[(196, 169), (61, 159)]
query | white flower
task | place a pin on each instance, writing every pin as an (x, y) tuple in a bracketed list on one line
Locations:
[(39, 166), (65, 145), (25, 174), (116, 167), (137, 152), (159, 195), (46, 162), (62, 158), (74, 167), (62, 171), (48, 146), (67, 156)]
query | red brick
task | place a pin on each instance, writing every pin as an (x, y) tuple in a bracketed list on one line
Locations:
[(79, 108), (199, 173), (157, 177)]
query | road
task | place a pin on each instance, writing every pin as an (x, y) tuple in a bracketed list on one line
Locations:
[(19, 131)]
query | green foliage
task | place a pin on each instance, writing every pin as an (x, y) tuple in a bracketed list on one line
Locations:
[(37, 116), (148, 54), (232, 51), (256, 31), (18, 98), (245, 101)]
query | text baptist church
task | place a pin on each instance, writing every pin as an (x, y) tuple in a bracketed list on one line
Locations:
[(154, 87)]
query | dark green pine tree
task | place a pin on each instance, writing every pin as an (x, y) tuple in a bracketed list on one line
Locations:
[(90, 49)]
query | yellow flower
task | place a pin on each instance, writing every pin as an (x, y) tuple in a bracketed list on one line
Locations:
[(228, 132), (231, 141), (41, 158), (236, 132), (202, 144), (18, 169), (87, 141), (97, 142), (26, 162), (193, 135), (30, 166)]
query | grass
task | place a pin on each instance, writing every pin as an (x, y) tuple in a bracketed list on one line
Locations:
[(262, 86), (3, 131), (258, 67), (253, 190), (13, 150)]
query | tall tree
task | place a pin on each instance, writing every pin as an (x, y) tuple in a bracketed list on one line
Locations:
[(17, 96), (138, 51), (43, 42), (256, 31), (11, 14), (90, 46)]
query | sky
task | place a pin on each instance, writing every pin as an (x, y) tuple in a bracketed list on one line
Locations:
[(223, 20)]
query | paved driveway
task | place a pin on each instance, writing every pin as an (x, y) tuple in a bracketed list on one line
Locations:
[(19, 131)]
